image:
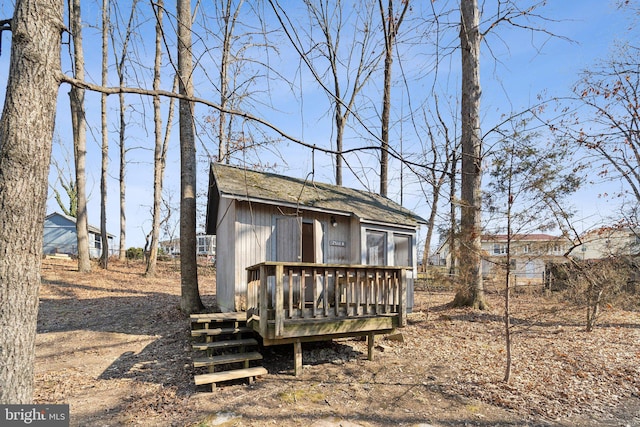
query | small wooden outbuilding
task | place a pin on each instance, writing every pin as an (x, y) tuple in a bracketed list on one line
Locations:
[(262, 217), (310, 261)]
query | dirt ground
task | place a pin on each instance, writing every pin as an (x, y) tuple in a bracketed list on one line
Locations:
[(115, 347)]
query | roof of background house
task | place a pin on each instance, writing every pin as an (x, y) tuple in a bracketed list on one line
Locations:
[(269, 188), (92, 229), (533, 237)]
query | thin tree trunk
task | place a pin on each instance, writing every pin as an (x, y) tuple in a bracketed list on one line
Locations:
[(507, 286), (389, 25), (120, 69), (79, 138), (158, 165), (430, 227), (26, 134), (453, 225), (190, 296), (507, 321), (472, 291), (160, 153), (122, 252), (104, 259)]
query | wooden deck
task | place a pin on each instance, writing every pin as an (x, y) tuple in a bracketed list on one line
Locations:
[(298, 302)]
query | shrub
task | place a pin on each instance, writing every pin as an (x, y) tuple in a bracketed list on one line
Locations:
[(135, 253)]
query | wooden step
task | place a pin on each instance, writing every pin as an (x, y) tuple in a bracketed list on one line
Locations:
[(239, 316), (220, 331), (229, 375), (223, 344), (226, 358)]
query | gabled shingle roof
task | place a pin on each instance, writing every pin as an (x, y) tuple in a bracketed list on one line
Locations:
[(243, 184), (91, 228)]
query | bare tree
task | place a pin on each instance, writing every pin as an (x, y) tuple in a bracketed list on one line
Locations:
[(78, 121), (530, 181), (66, 179), (242, 49), (609, 118), (472, 294), (229, 19), (390, 26), (517, 14), (104, 258), (121, 64), (440, 157), (190, 301), (161, 143), (26, 134), (347, 71)]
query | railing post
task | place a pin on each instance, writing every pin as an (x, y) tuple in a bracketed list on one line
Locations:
[(290, 304), (358, 288), (325, 293), (263, 303), (279, 308), (336, 307), (386, 290), (314, 282), (402, 312)]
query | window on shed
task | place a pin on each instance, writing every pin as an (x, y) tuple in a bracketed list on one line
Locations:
[(402, 250), (376, 247), (97, 241)]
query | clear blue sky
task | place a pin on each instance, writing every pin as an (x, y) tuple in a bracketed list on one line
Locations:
[(526, 67)]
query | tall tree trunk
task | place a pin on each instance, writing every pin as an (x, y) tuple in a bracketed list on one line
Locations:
[(226, 59), (122, 179), (104, 259), (390, 26), (26, 134), (120, 69), (79, 137), (472, 291), (190, 299), (430, 227), (160, 152), (453, 224)]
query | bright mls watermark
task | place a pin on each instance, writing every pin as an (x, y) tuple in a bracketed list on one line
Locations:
[(34, 415)]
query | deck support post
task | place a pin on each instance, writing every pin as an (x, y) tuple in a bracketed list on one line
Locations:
[(297, 358), (370, 340)]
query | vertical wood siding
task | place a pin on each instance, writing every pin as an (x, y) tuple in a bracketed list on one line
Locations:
[(251, 239)]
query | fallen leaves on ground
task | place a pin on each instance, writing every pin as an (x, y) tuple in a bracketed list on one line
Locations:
[(114, 345)]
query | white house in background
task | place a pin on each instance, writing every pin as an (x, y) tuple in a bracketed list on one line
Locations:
[(605, 242), (206, 246), (60, 236), (529, 254)]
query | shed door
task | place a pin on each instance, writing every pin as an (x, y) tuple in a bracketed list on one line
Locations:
[(289, 239), (312, 243)]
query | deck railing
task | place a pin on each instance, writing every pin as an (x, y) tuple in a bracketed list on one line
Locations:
[(283, 292)]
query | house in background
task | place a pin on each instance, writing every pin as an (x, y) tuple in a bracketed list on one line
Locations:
[(170, 247), (529, 254), (607, 242), (60, 236), (206, 246)]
